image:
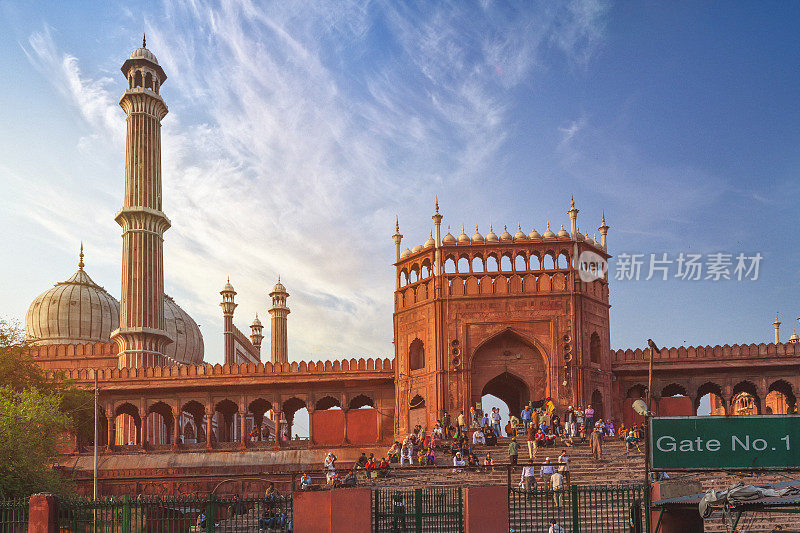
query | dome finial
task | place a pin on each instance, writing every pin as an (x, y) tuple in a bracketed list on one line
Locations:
[(80, 261), (144, 41), (571, 201)]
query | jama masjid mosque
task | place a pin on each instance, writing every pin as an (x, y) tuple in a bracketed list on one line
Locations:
[(508, 315)]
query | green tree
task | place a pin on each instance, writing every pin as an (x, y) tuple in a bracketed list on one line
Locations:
[(37, 411), (32, 425)]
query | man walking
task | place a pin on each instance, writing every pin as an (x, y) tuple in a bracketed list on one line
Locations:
[(547, 471), (557, 484), (528, 479), (531, 433), (496, 420), (525, 416), (596, 443), (589, 414), (569, 422), (513, 451)]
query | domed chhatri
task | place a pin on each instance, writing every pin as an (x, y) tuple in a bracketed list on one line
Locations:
[(463, 238), (534, 234), (430, 242), (562, 232), (520, 235), (417, 248), (477, 237), (449, 239), (75, 311), (405, 253), (505, 236), (491, 236), (548, 233)]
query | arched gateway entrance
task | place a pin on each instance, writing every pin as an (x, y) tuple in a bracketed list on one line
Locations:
[(511, 368)]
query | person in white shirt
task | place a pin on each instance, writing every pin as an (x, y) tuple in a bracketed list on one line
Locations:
[(528, 479), (330, 467), (478, 438), (458, 460), (555, 528), (407, 452), (557, 484)]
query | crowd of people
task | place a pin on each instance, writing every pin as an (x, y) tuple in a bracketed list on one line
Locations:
[(463, 441)]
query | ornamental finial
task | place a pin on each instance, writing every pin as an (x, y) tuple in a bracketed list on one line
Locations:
[(80, 255), (144, 41)]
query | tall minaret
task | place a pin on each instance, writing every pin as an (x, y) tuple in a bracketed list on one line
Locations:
[(228, 307), (141, 336), (397, 238), (777, 326), (437, 257), (278, 345)]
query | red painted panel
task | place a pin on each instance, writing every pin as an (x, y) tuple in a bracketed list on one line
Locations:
[(675, 406), (328, 427), (480, 509), (362, 426), (333, 511)]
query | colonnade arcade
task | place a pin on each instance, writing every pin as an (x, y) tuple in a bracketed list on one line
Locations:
[(245, 421), (731, 396)]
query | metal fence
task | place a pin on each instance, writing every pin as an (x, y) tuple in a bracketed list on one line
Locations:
[(436, 509), (14, 515), (585, 509), (175, 515)]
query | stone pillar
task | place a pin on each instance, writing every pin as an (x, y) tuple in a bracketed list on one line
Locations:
[(112, 437), (243, 436), (176, 428), (344, 436), (42, 514), (209, 426), (144, 427), (277, 410), (676, 520), (310, 425)]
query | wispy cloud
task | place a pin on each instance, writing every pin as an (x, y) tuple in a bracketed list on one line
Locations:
[(296, 133)]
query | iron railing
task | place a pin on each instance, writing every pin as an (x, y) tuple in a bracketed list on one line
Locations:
[(14, 515), (211, 514), (435, 509), (577, 508)]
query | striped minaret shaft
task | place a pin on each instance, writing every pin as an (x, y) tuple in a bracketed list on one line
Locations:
[(141, 336)]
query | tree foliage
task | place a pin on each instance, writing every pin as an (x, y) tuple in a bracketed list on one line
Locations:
[(37, 413)]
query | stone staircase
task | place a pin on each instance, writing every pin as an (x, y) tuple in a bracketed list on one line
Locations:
[(616, 467)]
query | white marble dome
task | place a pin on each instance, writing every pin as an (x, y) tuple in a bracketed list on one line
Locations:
[(187, 341), (75, 311)]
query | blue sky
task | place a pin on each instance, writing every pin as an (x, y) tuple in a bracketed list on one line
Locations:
[(297, 131)]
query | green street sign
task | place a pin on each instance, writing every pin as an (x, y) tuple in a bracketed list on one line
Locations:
[(724, 442)]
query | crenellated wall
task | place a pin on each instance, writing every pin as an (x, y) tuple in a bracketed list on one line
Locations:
[(710, 353), (294, 369)]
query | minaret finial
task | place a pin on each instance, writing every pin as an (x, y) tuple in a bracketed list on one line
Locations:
[(80, 256), (437, 204), (397, 223), (604, 217), (144, 41), (571, 201)]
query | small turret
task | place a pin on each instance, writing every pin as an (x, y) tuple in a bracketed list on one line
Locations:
[(603, 232), (777, 326), (255, 334)]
